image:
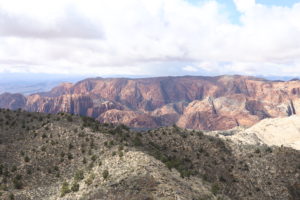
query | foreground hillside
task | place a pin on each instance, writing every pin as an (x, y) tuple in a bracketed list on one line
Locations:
[(203, 103), (69, 157)]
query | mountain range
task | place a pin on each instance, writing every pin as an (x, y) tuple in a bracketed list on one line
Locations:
[(206, 103)]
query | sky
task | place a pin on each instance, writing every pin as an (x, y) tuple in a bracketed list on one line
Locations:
[(150, 38)]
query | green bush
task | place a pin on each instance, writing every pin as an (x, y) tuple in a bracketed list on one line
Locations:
[(75, 187), (64, 189)]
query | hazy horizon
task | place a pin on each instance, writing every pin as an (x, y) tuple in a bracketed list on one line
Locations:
[(34, 83)]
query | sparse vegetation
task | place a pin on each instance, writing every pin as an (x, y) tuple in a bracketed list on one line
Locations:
[(215, 188), (90, 179), (63, 154), (64, 189), (75, 187), (105, 174), (79, 175)]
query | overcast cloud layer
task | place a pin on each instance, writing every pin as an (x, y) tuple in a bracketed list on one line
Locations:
[(142, 37)]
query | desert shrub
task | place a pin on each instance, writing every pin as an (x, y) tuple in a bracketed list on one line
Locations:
[(215, 188), (137, 141), (65, 189), (268, 150), (79, 175), (121, 154), (11, 196), (176, 128), (200, 134), (94, 158), (70, 156), (90, 179), (121, 147), (222, 179), (18, 182), (43, 148), (105, 174), (75, 187), (69, 118), (14, 168), (28, 171), (257, 151), (26, 159)]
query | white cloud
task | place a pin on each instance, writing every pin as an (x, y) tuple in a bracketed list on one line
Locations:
[(244, 5), (190, 69), (127, 37)]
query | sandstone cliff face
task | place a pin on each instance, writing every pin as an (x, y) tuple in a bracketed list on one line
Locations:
[(211, 103), (12, 101), (283, 131)]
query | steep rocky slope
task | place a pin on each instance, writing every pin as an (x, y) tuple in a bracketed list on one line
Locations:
[(210, 103), (278, 131), (69, 157)]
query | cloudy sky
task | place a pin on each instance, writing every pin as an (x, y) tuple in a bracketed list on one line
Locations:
[(150, 37)]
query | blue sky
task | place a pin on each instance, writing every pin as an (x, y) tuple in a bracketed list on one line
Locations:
[(234, 14), (230, 3), (150, 38)]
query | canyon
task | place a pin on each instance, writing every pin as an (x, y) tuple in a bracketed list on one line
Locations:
[(203, 103)]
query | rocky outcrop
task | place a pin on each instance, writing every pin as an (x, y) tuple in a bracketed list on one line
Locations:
[(211, 103), (12, 101), (131, 118), (278, 131)]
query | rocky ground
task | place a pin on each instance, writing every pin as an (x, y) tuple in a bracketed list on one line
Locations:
[(64, 156)]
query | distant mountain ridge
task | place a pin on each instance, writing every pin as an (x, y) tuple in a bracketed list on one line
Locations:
[(196, 102)]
